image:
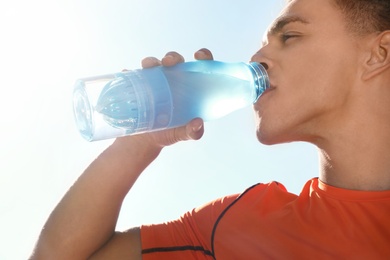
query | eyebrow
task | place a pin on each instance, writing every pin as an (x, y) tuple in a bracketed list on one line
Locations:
[(282, 21)]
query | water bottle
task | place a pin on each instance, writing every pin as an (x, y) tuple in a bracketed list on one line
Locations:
[(157, 98)]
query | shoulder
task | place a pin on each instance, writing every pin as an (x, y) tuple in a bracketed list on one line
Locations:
[(221, 204)]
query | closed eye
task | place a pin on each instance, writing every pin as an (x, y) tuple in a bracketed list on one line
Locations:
[(284, 37)]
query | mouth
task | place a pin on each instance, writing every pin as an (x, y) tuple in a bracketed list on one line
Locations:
[(272, 87), (265, 93)]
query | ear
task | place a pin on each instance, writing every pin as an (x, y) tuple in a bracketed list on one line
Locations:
[(379, 60)]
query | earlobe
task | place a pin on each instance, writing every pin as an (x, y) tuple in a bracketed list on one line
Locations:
[(379, 60)]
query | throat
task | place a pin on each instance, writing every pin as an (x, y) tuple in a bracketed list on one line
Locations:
[(356, 171)]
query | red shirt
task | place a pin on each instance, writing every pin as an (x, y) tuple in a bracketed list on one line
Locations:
[(267, 222)]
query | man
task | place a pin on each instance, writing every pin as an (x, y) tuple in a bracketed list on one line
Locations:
[(329, 68)]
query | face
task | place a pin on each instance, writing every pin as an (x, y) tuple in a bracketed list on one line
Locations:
[(313, 65)]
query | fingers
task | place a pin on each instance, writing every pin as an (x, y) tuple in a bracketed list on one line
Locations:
[(203, 54), (150, 62), (172, 58), (192, 131), (195, 129)]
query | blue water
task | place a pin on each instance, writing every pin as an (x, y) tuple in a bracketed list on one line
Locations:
[(168, 98)]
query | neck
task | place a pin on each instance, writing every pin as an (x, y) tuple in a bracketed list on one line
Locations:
[(355, 173), (359, 157), (355, 148)]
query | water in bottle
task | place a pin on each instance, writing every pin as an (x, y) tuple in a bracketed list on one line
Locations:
[(153, 99)]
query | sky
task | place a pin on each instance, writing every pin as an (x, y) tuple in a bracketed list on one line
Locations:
[(46, 45)]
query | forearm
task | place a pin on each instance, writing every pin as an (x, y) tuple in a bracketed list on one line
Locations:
[(85, 218)]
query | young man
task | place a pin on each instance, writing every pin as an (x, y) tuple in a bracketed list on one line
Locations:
[(329, 68)]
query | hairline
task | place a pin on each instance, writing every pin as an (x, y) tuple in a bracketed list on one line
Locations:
[(353, 28)]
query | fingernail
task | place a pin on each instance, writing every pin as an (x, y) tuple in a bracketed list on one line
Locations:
[(197, 128), (169, 56), (201, 53)]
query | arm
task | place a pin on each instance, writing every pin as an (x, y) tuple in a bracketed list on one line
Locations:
[(82, 225)]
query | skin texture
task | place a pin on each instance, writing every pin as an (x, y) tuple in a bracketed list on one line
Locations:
[(329, 88)]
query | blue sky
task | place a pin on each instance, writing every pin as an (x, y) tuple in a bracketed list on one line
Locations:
[(46, 45)]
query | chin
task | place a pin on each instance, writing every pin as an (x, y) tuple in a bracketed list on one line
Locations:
[(268, 136), (266, 140), (272, 137), (272, 140)]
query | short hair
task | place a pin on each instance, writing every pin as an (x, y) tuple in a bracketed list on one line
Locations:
[(365, 16)]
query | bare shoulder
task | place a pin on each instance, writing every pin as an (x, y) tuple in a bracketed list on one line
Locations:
[(122, 245)]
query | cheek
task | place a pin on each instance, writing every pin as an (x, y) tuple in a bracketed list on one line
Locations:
[(320, 78), (329, 84), (289, 112), (310, 86)]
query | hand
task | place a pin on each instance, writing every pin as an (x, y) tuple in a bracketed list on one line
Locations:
[(194, 129), (172, 58)]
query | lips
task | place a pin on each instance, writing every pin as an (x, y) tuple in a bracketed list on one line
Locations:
[(272, 87)]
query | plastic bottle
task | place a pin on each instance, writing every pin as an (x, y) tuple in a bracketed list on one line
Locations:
[(157, 98)]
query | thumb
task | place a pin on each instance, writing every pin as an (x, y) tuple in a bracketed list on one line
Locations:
[(195, 129), (192, 131)]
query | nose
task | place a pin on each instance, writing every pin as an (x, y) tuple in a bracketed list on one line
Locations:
[(265, 65), (261, 58)]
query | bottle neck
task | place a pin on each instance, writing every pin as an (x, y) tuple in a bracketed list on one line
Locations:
[(260, 77)]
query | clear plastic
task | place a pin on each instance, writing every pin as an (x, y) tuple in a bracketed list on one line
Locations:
[(153, 99)]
